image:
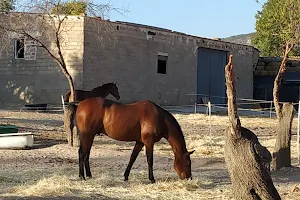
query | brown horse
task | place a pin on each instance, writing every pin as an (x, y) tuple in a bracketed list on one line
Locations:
[(100, 91), (143, 122)]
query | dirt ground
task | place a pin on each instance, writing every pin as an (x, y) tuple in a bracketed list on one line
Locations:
[(49, 170)]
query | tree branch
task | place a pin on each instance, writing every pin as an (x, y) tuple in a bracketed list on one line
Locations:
[(278, 79), (23, 32), (231, 99)]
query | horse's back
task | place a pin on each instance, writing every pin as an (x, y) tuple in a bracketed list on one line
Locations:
[(89, 114), (120, 121)]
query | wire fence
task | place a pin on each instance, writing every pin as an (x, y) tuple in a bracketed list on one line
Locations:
[(246, 106), (206, 107)]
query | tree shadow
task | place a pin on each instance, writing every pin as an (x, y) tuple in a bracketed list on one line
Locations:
[(40, 80)]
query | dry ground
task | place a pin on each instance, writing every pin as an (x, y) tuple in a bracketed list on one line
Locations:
[(50, 169)]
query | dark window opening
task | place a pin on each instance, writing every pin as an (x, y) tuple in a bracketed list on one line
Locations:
[(151, 33), (118, 27), (19, 48), (162, 64)]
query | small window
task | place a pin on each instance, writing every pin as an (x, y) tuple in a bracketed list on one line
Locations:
[(162, 64), (19, 49)]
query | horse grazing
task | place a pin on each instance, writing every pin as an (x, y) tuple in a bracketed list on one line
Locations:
[(143, 122), (100, 91)]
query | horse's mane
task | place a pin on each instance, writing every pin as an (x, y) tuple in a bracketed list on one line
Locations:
[(172, 120)]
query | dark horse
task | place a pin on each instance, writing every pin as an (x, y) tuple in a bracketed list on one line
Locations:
[(100, 91), (143, 122)]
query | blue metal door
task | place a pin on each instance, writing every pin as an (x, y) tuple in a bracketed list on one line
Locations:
[(211, 76)]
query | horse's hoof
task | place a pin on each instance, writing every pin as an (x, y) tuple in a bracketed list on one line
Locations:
[(152, 181), (88, 177), (81, 177), (126, 179)]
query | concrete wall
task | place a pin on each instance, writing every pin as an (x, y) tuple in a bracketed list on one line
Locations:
[(127, 54), (40, 80), (98, 52)]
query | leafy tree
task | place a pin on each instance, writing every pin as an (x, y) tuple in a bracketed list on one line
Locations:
[(278, 33), (7, 5), (70, 8), (287, 18), (276, 25)]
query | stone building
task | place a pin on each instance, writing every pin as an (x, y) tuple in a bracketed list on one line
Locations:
[(146, 62), (264, 76)]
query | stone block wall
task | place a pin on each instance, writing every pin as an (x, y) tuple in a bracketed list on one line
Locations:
[(40, 79), (127, 54)]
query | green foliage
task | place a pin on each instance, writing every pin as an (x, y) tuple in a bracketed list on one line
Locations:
[(70, 8), (7, 5), (277, 25)]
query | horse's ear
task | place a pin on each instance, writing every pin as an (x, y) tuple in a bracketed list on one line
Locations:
[(191, 152)]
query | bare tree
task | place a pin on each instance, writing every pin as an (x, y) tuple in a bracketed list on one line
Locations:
[(40, 28), (285, 115), (247, 160)]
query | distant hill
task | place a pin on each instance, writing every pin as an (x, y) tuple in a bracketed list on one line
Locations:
[(240, 39)]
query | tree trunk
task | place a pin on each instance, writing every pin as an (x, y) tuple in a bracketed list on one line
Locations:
[(282, 149), (285, 114), (69, 116), (245, 157)]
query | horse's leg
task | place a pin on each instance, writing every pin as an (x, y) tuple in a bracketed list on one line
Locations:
[(135, 152), (87, 165), (149, 152), (81, 163), (84, 155)]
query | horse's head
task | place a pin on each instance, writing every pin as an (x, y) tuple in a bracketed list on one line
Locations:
[(182, 165), (106, 89), (114, 91)]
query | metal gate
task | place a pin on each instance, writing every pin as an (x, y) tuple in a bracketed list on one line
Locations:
[(211, 76)]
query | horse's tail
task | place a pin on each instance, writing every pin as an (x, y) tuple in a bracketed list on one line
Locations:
[(73, 107), (67, 96), (70, 120)]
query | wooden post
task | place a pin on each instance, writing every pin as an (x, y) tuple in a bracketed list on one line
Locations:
[(209, 113), (271, 109), (63, 102), (298, 133)]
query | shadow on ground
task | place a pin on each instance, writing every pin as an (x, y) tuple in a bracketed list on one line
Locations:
[(58, 198), (40, 143)]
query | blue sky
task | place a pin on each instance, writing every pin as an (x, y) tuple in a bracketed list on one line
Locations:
[(205, 18)]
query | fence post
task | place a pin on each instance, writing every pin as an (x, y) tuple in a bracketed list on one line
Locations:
[(195, 108), (63, 101), (209, 113), (298, 133), (271, 110)]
